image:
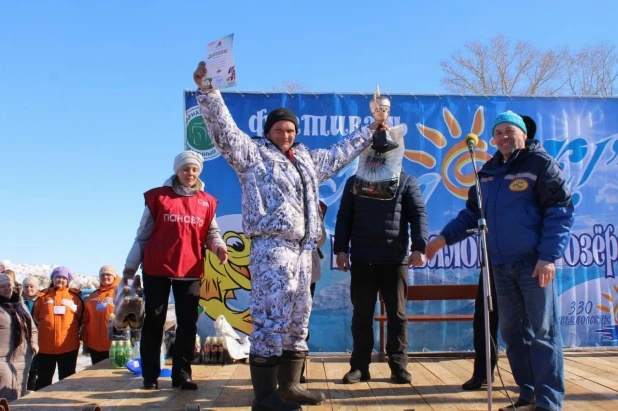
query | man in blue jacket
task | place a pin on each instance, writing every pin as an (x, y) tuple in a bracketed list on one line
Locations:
[(529, 216), (381, 253)]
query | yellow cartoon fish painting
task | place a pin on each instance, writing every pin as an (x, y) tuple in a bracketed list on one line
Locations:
[(220, 282)]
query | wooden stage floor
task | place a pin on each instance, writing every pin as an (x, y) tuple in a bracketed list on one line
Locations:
[(590, 380)]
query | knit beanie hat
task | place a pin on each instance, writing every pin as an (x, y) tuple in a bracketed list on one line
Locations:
[(30, 280), (280, 114), (509, 117), (108, 269), (62, 272), (188, 157)]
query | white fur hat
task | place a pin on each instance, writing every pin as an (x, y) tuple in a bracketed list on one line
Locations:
[(188, 157)]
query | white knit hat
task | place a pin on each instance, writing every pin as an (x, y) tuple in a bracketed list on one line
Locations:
[(108, 269), (32, 280), (188, 157)]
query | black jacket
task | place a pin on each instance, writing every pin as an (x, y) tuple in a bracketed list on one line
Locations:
[(379, 229)]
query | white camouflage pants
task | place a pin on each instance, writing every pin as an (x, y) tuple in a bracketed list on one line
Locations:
[(280, 296)]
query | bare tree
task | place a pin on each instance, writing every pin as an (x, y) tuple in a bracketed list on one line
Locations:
[(504, 67), (593, 70), (288, 86)]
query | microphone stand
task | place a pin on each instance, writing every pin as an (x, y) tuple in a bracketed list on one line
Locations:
[(481, 231)]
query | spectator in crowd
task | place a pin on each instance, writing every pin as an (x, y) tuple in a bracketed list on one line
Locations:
[(16, 285), (58, 312), (529, 213), (18, 341), (178, 223), (279, 182), (98, 307), (30, 291), (380, 232)]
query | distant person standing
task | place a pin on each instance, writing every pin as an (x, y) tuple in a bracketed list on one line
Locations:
[(18, 341), (30, 291), (98, 307), (58, 312)]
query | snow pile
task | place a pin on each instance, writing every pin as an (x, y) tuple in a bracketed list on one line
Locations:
[(43, 271)]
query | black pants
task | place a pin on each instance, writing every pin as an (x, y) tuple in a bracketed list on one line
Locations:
[(479, 328), (156, 295), (390, 280), (46, 367), (98, 356)]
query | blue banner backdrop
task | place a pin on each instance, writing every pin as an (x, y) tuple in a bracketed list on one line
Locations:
[(581, 133)]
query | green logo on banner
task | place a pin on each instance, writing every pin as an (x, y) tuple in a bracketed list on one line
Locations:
[(196, 135)]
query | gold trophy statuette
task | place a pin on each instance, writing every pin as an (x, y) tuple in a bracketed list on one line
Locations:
[(380, 106)]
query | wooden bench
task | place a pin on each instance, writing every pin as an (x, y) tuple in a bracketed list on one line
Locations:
[(430, 293)]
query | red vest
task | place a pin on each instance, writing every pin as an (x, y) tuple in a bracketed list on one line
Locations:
[(179, 233)]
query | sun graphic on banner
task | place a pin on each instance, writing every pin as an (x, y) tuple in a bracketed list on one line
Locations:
[(612, 306), (456, 158)]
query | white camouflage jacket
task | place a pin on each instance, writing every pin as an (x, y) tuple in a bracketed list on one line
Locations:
[(279, 198)]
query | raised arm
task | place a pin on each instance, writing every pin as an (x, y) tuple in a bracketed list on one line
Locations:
[(233, 144), (328, 161)]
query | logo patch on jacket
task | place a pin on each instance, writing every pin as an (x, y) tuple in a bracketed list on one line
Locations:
[(519, 184)]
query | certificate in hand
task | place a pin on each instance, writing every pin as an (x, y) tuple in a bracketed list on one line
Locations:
[(221, 71)]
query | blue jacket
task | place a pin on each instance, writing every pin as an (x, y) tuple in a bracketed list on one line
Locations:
[(527, 206), (381, 230)]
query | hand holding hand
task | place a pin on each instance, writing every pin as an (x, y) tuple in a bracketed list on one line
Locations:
[(434, 246), (416, 259)]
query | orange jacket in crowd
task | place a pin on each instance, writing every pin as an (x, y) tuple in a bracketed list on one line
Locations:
[(94, 328), (58, 312)]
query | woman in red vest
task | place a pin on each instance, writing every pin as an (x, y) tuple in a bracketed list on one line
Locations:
[(177, 225)]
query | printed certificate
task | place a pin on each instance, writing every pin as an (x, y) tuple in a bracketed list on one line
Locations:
[(220, 68)]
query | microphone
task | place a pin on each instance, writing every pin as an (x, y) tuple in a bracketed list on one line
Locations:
[(472, 140)]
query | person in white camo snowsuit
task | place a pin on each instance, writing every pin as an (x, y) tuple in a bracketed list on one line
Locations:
[(280, 207)]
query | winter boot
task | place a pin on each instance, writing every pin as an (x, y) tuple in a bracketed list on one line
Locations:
[(264, 380), (31, 380), (288, 378)]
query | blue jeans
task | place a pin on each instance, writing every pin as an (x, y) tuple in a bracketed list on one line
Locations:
[(529, 327)]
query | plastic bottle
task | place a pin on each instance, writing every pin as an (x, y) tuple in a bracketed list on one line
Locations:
[(207, 346), (112, 355), (197, 357), (110, 327), (128, 352), (136, 350), (162, 355), (221, 351), (119, 357), (214, 351)]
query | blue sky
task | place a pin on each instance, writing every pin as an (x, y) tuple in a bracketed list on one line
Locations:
[(91, 92)]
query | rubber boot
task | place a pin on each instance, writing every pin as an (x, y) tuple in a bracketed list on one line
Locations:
[(264, 380), (288, 378)]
